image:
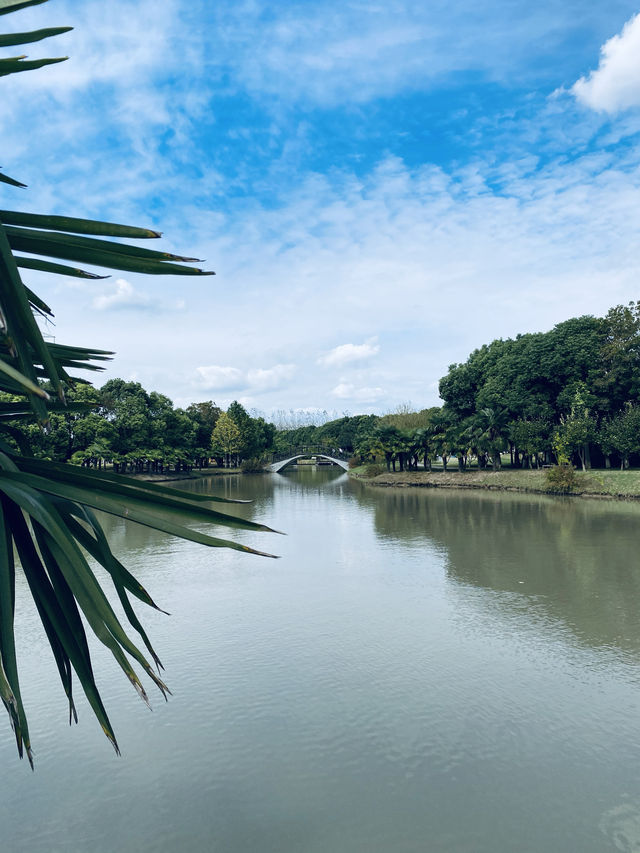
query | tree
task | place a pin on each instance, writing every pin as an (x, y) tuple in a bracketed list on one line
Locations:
[(622, 434), (204, 415), (493, 428), (531, 438), (47, 508), (226, 438), (575, 432)]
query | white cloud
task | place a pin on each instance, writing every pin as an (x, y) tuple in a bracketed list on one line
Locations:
[(122, 296), (218, 378), (255, 380), (261, 379), (350, 52), (347, 353), (615, 84), (439, 265), (347, 391)]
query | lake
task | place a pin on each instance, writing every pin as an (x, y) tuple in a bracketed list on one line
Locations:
[(422, 670)]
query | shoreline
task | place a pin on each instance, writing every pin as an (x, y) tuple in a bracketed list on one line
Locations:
[(593, 484), (196, 474)]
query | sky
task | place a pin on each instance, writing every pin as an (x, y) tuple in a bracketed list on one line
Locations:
[(380, 188)]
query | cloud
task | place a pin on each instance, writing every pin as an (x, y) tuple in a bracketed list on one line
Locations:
[(261, 379), (347, 353), (353, 52), (255, 380), (347, 391), (615, 84), (217, 378), (121, 296)]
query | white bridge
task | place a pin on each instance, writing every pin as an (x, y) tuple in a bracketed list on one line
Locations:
[(330, 455)]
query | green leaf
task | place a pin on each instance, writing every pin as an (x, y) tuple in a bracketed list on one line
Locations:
[(100, 480), (38, 303), (68, 560), (21, 409), (5, 179), (17, 235), (98, 547), (22, 380), (69, 647), (76, 225), (134, 509), (28, 38), (95, 542), (21, 324), (63, 351), (7, 6), (59, 269), (14, 66), (8, 663)]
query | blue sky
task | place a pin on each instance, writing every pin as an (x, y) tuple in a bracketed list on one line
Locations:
[(380, 188)]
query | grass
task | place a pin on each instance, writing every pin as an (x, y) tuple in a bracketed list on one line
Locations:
[(596, 482)]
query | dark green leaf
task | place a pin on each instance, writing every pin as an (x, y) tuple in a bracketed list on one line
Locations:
[(28, 38), (75, 225), (59, 269)]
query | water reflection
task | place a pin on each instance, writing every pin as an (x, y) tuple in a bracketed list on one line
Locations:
[(421, 670), (575, 560)]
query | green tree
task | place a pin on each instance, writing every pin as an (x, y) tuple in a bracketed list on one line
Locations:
[(493, 429), (47, 508), (204, 416), (226, 438), (622, 434), (618, 376), (575, 432), (531, 438)]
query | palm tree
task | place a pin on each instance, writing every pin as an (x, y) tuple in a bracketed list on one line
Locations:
[(47, 509), (493, 430)]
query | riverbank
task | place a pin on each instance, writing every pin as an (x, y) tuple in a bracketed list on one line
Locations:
[(195, 474), (608, 484)]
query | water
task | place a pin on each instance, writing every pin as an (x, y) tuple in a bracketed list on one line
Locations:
[(420, 671)]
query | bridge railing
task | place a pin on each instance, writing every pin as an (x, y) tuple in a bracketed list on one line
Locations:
[(311, 450)]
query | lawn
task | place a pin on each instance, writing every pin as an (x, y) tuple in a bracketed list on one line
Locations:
[(603, 482)]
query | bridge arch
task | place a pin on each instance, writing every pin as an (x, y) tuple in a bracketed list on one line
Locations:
[(282, 460)]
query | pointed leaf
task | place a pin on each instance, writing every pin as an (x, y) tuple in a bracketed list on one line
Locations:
[(28, 38), (59, 269), (7, 6), (14, 66), (5, 179), (76, 225)]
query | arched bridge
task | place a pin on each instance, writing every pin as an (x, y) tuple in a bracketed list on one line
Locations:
[(332, 454)]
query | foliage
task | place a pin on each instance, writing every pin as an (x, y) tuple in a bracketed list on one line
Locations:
[(253, 466), (226, 437), (561, 478), (575, 430), (622, 434), (373, 470), (47, 509), (565, 386)]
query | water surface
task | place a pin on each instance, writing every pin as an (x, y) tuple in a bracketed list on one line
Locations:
[(420, 671)]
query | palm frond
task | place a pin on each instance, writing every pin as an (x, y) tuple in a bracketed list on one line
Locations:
[(47, 509)]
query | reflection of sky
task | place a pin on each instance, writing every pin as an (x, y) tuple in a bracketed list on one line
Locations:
[(368, 690), (370, 181), (565, 562)]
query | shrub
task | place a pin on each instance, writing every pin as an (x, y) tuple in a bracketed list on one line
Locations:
[(252, 466), (561, 479), (354, 461), (372, 470)]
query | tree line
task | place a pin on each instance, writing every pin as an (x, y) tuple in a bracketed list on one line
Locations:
[(571, 394), (139, 431)]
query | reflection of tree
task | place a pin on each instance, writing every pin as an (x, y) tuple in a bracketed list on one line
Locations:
[(129, 539), (578, 559)]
